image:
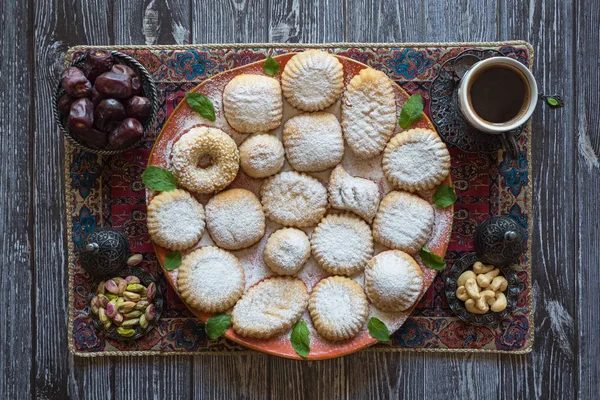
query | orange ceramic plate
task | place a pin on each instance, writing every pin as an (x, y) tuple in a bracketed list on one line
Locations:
[(183, 118)]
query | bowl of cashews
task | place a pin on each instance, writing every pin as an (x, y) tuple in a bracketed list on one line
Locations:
[(481, 294)]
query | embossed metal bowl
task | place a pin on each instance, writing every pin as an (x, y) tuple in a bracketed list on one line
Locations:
[(146, 278), (148, 90), (458, 306)]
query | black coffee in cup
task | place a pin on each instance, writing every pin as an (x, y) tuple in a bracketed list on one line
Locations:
[(499, 93)]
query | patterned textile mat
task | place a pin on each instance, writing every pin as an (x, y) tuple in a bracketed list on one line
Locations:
[(108, 191)]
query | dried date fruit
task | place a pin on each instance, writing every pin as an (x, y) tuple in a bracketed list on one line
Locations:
[(111, 84), (126, 134), (139, 108), (75, 83), (96, 96), (93, 138), (124, 69), (136, 86), (108, 114), (81, 115), (97, 61), (64, 104)]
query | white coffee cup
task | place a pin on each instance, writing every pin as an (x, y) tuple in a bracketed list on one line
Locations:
[(464, 95)]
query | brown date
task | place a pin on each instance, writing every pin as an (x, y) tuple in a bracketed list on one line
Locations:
[(81, 115), (94, 138), (124, 69), (108, 114), (97, 61), (64, 104), (75, 83), (111, 84), (139, 108), (136, 86), (126, 134), (96, 96)]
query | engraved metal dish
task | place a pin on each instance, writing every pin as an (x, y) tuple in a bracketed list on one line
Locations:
[(452, 127), (103, 252), (148, 90), (499, 240), (458, 306), (146, 278)]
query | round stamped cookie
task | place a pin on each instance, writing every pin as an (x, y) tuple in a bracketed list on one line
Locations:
[(211, 279), (342, 244), (404, 222), (286, 251), (253, 103), (261, 155), (175, 220), (270, 307), (416, 160), (393, 281), (294, 199), (313, 142), (338, 308), (368, 113), (312, 80), (358, 195), (235, 219), (205, 160)]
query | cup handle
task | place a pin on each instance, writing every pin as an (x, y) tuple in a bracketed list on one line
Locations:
[(552, 101)]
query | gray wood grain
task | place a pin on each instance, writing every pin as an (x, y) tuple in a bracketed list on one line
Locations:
[(586, 122), (548, 26), (17, 288), (566, 176)]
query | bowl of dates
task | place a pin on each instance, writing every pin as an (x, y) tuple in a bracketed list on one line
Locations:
[(105, 102)]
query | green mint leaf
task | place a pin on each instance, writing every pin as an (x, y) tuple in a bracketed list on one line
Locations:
[(552, 101), (158, 179), (300, 339), (378, 330), (201, 104), (271, 67), (411, 111), (217, 325), (431, 260), (444, 196), (172, 260)]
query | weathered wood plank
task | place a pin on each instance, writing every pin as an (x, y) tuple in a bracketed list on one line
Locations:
[(587, 121), (17, 284), (296, 21), (229, 21), (461, 21), (385, 21), (231, 377), (551, 370), (92, 378)]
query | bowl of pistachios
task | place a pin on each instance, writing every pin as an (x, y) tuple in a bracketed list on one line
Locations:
[(481, 294), (126, 306)]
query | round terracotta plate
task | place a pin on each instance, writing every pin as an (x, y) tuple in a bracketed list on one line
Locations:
[(183, 118)]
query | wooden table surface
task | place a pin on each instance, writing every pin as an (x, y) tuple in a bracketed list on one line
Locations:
[(34, 359)]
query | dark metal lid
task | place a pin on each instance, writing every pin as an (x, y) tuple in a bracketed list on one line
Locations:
[(499, 240), (103, 252)]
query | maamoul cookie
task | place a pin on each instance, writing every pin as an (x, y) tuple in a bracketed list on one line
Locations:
[(175, 220), (404, 222), (294, 199), (253, 103), (313, 142), (286, 251), (270, 307), (342, 244), (211, 279), (261, 155), (235, 219), (338, 308), (358, 195), (393, 281), (368, 112), (205, 160), (312, 80), (416, 160)]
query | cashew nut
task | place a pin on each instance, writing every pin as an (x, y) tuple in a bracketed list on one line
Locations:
[(464, 276), (461, 293), (480, 268), (470, 306), (499, 283), (484, 280), (472, 288), (482, 303), (500, 303)]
